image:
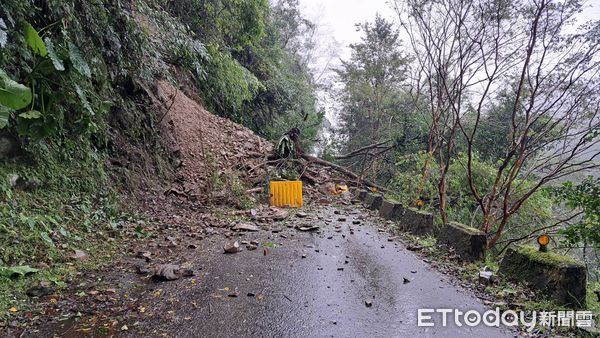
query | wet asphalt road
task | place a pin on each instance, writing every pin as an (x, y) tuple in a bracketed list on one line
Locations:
[(281, 294)]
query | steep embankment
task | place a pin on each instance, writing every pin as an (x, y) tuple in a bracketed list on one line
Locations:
[(88, 149), (210, 156), (203, 141), (99, 149)]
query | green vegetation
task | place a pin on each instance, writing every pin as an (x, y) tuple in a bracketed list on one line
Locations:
[(462, 133), (583, 198), (538, 210), (74, 85), (550, 258)]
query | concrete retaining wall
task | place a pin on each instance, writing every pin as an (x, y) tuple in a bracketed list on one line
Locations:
[(391, 210), (410, 219), (416, 222), (469, 243), (373, 201), (561, 278)]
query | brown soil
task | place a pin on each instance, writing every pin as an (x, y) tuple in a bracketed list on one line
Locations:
[(201, 148), (203, 141)]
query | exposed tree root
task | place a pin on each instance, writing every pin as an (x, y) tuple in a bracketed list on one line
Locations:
[(294, 135)]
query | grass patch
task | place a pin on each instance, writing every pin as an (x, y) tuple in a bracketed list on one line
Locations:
[(63, 202), (427, 242)]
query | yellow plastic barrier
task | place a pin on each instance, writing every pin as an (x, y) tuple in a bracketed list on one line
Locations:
[(286, 193)]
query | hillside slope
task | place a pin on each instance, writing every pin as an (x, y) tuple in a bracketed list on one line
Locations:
[(209, 155)]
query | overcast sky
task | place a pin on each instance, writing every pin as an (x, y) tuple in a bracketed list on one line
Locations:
[(338, 17)]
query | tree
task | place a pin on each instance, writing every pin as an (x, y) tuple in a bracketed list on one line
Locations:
[(373, 115), (469, 52)]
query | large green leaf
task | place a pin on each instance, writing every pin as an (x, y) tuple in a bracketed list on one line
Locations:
[(56, 61), (3, 34), (78, 61), (12, 94), (34, 40), (21, 270), (4, 115), (84, 100), (31, 115)]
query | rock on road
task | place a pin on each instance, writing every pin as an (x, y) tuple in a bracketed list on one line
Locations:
[(329, 283)]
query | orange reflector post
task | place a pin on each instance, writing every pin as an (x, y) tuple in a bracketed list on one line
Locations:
[(286, 193), (543, 241)]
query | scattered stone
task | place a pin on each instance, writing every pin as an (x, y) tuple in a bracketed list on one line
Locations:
[(368, 303), (337, 212), (232, 247), (276, 230), (301, 215), (280, 215), (42, 266), (172, 241), (188, 273), (382, 246), (307, 227), (303, 255), (165, 272), (245, 227), (79, 255), (342, 219), (145, 255), (192, 246), (356, 222), (19, 182), (486, 277), (250, 294), (39, 291), (414, 247), (254, 242), (251, 247), (141, 269), (406, 280), (324, 201), (233, 295), (413, 271), (340, 269)]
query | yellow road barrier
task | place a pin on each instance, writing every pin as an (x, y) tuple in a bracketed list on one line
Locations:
[(286, 193)]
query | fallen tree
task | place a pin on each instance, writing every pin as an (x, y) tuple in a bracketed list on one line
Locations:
[(296, 151)]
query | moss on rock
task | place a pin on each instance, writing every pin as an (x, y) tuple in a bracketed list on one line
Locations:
[(561, 278), (551, 258)]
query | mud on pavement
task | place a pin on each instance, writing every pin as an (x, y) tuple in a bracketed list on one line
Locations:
[(326, 271)]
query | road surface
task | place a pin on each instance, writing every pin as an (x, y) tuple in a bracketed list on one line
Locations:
[(305, 284)]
